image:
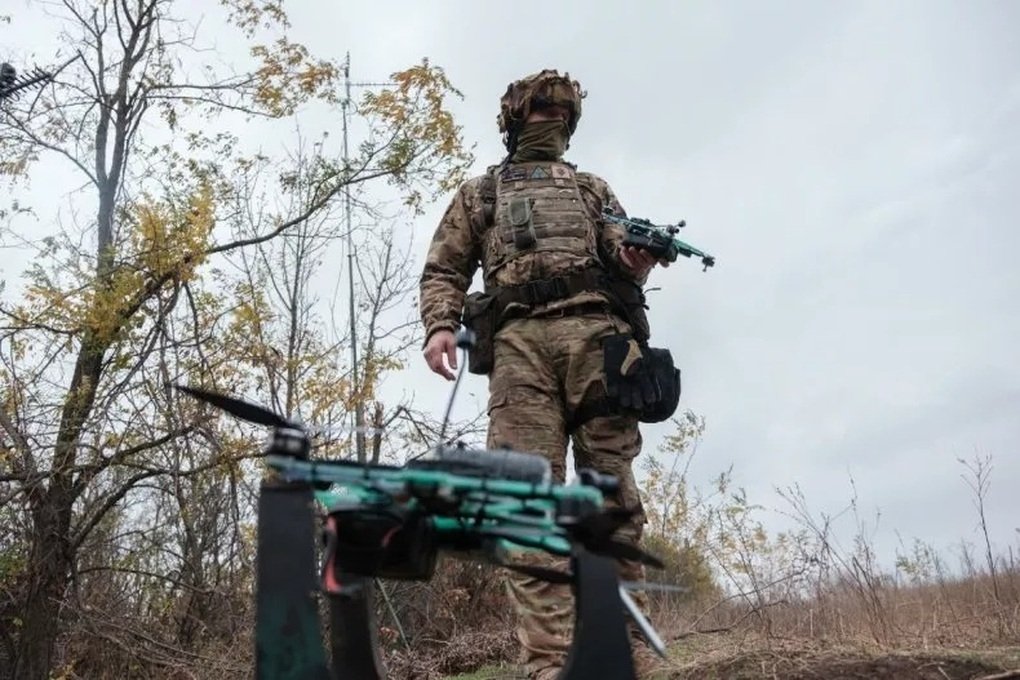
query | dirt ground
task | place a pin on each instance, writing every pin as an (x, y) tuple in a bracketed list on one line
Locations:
[(743, 657), (844, 667), (740, 658)]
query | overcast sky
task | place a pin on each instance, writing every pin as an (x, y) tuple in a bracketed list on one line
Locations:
[(854, 168)]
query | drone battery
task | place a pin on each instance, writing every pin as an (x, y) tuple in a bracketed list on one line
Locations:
[(657, 246), (386, 544), (503, 464)]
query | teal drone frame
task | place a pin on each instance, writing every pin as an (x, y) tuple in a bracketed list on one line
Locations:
[(391, 522), (659, 240)]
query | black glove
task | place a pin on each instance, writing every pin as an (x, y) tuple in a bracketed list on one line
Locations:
[(640, 379), (628, 382)]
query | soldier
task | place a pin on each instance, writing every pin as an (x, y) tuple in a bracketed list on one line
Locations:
[(560, 325)]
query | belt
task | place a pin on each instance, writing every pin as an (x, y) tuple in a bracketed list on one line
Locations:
[(575, 310)]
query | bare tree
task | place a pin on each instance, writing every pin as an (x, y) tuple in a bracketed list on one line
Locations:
[(119, 304)]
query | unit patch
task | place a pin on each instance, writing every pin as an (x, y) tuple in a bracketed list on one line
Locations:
[(560, 172)]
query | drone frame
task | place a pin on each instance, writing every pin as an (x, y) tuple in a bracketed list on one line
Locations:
[(288, 627)]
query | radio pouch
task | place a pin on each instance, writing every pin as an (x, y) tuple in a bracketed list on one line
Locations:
[(480, 317), (521, 225)]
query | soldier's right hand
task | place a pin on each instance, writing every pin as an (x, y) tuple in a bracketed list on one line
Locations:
[(442, 344)]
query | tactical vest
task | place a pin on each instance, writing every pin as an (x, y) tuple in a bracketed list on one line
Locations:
[(540, 226), (540, 244)]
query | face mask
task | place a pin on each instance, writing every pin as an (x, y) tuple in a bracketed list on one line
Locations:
[(542, 141)]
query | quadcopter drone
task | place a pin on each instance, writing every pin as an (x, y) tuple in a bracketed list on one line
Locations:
[(391, 522)]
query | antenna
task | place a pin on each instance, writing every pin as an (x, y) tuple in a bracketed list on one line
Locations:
[(466, 342), (11, 85), (359, 408)]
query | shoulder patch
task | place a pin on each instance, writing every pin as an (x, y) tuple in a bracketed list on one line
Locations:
[(513, 174)]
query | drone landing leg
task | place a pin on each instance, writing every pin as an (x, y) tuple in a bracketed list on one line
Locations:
[(353, 631), (288, 640), (601, 644)]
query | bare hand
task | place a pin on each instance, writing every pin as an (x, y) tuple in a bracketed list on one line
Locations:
[(442, 344), (638, 260)]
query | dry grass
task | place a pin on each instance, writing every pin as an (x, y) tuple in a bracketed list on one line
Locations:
[(799, 606)]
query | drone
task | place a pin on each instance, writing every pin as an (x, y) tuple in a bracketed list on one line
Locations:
[(659, 240), (391, 522)]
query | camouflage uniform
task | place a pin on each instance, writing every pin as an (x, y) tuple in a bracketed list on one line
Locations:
[(548, 358)]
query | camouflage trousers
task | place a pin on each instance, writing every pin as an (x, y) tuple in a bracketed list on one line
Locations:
[(544, 369)]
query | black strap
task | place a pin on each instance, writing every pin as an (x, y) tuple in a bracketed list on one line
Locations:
[(487, 192), (625, 297), (542, 291), (541, 573)]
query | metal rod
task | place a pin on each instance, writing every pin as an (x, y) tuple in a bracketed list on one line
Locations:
[(359, 408)]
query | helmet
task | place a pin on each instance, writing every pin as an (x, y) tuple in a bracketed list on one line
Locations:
[(537, 91)]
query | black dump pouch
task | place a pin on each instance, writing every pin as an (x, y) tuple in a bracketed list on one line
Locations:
[(480, 316), (640, 380), (667, 376)]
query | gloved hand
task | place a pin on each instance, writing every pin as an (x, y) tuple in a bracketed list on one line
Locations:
[(629, 382)]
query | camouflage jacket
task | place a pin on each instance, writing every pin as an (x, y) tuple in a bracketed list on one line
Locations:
[(455, 253)]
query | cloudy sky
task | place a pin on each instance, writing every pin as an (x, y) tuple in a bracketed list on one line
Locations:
[(854, 168)]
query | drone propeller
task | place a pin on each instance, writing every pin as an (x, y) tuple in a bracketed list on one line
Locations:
[(595, 533), (252, 413), (547, 574), (597, 544), (624, 551)]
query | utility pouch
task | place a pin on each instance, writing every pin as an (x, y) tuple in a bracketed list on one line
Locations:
[(480, 317), (632, 298), (667, 377), (640, 380), (521, 225)]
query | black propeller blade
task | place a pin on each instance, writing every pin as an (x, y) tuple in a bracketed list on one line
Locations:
[(242, 409), (599, 544), (605, 522), (624, 551), (595, 533), (541, 573)]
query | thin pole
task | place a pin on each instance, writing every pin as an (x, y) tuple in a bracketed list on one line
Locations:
[(359, 407)]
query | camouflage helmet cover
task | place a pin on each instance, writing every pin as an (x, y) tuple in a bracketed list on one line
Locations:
[(537, 91)]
